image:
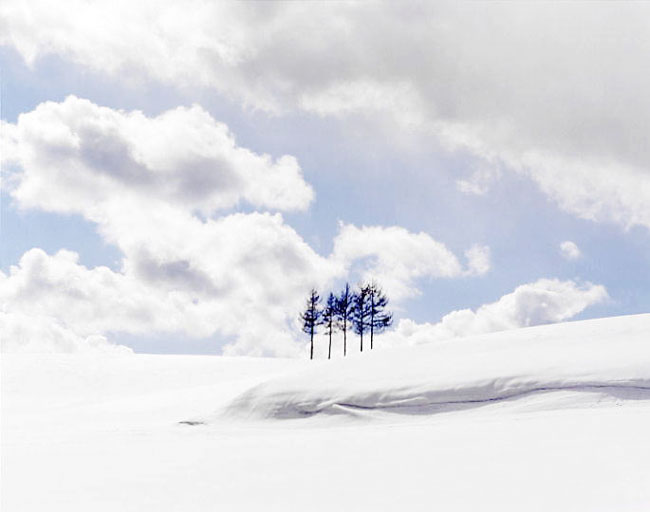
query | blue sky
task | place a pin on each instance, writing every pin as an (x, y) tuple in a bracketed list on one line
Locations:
[(379, 145)]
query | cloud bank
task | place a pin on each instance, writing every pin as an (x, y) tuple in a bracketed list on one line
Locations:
[(190, 266), (33, 334), (544, 90)]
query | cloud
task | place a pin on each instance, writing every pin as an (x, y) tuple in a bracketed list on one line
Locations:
[(511, 84), (365, 96), (8, 141), (570, 250), (41, 334), (478, 260), (543, 302), (75, 155), (600, 191), (397, 257), (90, 301), (479, 182), (241, 276), (142, 181)]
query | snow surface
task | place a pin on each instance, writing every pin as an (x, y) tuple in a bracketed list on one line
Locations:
[(612, 356), (545, 418)]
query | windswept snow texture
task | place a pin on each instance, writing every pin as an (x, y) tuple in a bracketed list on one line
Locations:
[(608, 355)]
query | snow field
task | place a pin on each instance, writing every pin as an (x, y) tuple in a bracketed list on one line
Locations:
[(400, 429)]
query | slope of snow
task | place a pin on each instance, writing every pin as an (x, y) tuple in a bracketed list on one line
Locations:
[(610, 355), (106, 433)]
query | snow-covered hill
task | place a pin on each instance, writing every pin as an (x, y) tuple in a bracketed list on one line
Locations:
[(610, 356), (546, 418)]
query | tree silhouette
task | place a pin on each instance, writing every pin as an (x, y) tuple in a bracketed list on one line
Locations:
[(344, 308), (379, 319), (311, 318), (329, 320), (361, 312)]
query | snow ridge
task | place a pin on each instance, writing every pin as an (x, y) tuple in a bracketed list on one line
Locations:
[(604, 356)]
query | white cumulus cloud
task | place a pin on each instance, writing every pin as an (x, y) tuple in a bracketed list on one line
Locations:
[(75, 155), (398, 257), (570, 250), (542, 302)]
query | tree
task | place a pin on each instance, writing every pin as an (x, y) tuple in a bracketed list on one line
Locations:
[(379, 319), (361, 312), (311, 318), (329, 320), (344, 307)]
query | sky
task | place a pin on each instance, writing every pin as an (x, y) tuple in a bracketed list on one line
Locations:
[(176, 179)]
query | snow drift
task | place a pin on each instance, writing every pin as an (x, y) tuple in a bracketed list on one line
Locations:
[(609, 355)]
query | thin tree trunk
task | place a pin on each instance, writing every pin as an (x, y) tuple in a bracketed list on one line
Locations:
[(372, 318), (311, 356), (361, 341), (345, 339), (329, 352)]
